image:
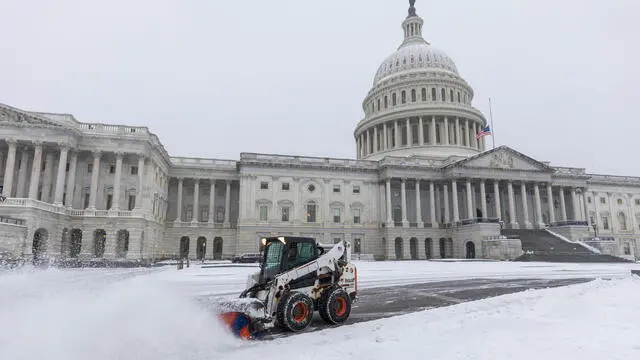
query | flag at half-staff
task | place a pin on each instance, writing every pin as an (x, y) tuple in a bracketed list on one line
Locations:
[(483, 132)]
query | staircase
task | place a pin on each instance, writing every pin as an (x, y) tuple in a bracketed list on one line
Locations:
[(540, 245)]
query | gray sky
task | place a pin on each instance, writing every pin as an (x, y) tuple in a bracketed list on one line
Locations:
[(215, 78)]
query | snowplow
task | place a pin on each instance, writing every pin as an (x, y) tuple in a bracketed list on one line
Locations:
[(298, 277)]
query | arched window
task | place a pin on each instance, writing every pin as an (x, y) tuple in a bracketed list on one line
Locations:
[(413, 95), (393, 99), (622, 219), (386, 101), (424, 94), (433, 94), (451, 95), (443, 95), (404, 97), (378, 104)]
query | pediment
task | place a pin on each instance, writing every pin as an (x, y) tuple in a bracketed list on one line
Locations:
[(502, 158), (12, 116)]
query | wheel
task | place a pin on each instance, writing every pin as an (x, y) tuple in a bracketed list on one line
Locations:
[(295, 311), (334, 305)]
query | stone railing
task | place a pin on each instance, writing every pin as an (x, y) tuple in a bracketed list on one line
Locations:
[(464, 222), (51, 208), (561, 170), (570, 223), (615, 180), (291, 160), (12, 221), (122, 130), (205, 163)]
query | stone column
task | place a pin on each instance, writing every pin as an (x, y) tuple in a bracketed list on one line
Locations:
[(7, 185), (179, 204), (454, 191), (212, 201), (116, 183), (375, 139), (420, 131), (227, 204), (385, 134), (586, 209), (196, 200), (536, 192), (433, 131), (62, 168), (71, 181), (418, 205), (389, 211), (397, 134), (552, 215), (446, 131), (35, 170), (432, 204), (409, 132), (447, 211), (403, 195), (48, 177), (563, 205), (22, 190), (496, 193), (469, 200), (512, 205), (525, 206), (483, 199), (140, 195), (95, 177), (576, 206)]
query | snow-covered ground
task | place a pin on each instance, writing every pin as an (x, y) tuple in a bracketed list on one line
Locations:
[(150, 314)]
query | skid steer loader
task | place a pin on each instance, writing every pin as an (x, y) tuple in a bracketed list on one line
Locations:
[(297, 277)]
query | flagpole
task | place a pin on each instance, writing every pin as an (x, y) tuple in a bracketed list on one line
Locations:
[(493, 130)]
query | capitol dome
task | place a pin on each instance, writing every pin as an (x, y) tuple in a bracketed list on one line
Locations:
[(415, 57), (418, 104)]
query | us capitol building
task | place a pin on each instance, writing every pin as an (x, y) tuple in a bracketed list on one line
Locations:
[(422, 184)]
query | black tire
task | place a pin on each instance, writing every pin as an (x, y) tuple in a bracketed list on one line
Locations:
[(334, 305), (295, 312)]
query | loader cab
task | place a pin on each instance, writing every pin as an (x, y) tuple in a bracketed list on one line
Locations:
[(284, 253)]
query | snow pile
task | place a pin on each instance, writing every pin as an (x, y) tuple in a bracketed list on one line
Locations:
[(597, 320), (69, 315), (565, 239)]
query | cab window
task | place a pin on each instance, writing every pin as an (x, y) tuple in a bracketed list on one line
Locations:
[(300, 253)]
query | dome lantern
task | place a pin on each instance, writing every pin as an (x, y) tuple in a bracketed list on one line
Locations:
[(412, 27)]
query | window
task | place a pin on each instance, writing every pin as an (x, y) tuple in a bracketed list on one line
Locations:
[(336, 188), (204, 213), (404, 96), (443, 95), (219, 214), (336, 240), (264, 185), (67, 167), (589, 199), (89, 168), (300, 253), (433, 94), (413, 95), (424, 94), (311, 213), (627, 249), (378, 104), (638, 202), (603, 200), (393, 99), (109, 201), (44, 165), (311, 187), (356, 189), (112, 169), (386, 101), (357, 245), (605, 222), (336, 215), (132, 202), (285, 213), (134, 170), (619, 201), (458, 96), (188, 212), (285, 186), (451, 95), (264, 212), (86, 201), (356, 216)]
